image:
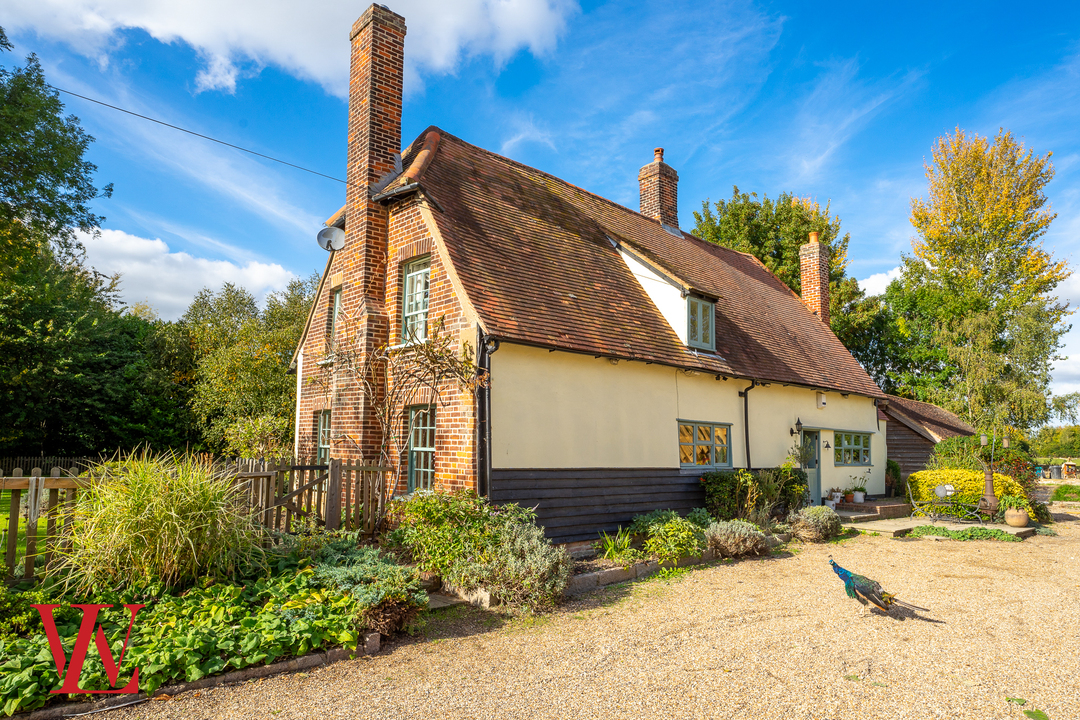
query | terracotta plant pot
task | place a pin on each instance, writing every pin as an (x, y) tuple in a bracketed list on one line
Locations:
[(850, 497), (1016, 518)]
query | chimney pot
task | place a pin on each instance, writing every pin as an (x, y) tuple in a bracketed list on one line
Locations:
[(813, 237), (658, 154)]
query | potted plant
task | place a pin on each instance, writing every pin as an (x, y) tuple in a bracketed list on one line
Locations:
[(836, 494), (849, 495), (858, 492), (1016, 510)]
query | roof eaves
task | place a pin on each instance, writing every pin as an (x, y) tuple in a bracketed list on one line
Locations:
[(311, 312)]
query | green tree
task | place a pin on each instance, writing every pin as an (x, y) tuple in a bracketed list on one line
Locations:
[(243, 394), (77, 375), (46, 184), (975, 327), (773, 231)]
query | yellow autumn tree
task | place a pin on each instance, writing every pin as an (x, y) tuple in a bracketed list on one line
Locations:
[(981, 224)]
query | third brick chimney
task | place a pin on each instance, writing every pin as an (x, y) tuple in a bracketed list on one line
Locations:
[(660, 190), (814, 276)]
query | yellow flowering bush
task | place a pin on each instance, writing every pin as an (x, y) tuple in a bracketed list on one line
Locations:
[(967, 484)]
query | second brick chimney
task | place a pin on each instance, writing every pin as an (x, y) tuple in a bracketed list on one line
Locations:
[(814, 276), (660, 190)]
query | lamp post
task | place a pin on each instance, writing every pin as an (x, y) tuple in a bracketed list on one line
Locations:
[(988, 503)]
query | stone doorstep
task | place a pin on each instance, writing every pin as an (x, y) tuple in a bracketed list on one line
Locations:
[(876, 510), (372, 642)]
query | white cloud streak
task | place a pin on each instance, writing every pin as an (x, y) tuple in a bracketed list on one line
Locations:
[(168, 280), (308, 40)]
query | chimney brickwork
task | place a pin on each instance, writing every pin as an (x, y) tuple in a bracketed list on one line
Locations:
[(814, 276), (374, 137), (659, 184)]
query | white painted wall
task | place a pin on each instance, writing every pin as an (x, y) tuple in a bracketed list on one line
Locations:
[(565, 410), (666, 296)]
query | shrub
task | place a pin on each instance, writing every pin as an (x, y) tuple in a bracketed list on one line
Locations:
[(700, 517), (1040, 513), (735, 538), (753, 495), (163, 520), (473, 544), (1014, 502), (723, 491), (440, 529), (522, 571), (19, 619), (388, 595), (815, 524), (675, 538), (967, 484), (647, 524)]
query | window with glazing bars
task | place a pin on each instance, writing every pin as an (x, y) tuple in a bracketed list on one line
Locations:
[(421, 448), (335, 309), (851, 448), (699, 331), (704, 444), (416, 279), (323, 438)]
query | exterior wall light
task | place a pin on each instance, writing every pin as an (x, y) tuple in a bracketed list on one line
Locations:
[(797, 428)]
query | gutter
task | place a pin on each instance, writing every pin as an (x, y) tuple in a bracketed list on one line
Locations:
[(745, 395)]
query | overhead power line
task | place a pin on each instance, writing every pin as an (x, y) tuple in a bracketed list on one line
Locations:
[(204, 137)]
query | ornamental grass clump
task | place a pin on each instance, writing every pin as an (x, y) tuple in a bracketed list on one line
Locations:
[(160, 521), (815, 524), (735, 538)]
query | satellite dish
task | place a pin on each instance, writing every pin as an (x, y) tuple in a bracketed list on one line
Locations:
[(331, 238)]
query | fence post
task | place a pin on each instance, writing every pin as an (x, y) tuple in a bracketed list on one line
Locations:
[(333, 496), (13, 527)]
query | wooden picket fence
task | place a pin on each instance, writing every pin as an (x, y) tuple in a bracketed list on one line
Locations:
[(338, 495)]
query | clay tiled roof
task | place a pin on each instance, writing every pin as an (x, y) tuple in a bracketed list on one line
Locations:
[(534, 256), (933, 421)]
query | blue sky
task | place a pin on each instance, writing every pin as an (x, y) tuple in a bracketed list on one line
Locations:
[(838, 101)]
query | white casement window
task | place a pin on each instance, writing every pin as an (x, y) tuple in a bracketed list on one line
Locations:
[(323, 438), (704, 445), (851, 448), (701, 314), (417, 275)]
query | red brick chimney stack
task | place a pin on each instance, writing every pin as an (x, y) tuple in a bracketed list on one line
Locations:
[(814, 273), (659, 185), (375, 80)]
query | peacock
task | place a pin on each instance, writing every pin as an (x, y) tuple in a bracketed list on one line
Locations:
[(865, 590)]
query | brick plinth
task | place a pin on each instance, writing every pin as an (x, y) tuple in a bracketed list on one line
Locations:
[(814, 271), (659, 185)]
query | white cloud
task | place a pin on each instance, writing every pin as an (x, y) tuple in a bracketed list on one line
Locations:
[(169, 281), (308, 40), (876, 283)]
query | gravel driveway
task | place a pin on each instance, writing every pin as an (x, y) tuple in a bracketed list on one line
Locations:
[(768, 638)]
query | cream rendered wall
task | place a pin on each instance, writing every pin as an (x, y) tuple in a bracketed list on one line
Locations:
[(666, 296), (565, 410), (774, 410)]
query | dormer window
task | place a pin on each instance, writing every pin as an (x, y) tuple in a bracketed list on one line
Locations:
[(699, 329)]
